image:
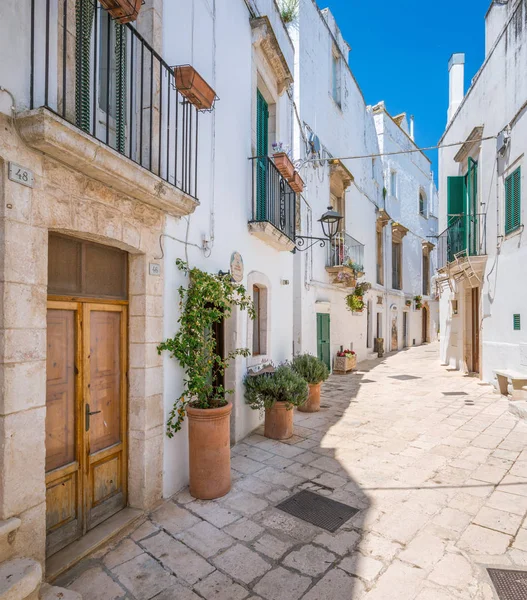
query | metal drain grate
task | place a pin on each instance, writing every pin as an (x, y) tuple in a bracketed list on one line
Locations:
[(510, 585), (318, 510), (404, 377), (455, 394)]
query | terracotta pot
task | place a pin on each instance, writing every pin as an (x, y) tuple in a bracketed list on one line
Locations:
[(196, 90), (122, 11), (296, 182), (313, 400), (278, 422), (284, 165), (209, 451)]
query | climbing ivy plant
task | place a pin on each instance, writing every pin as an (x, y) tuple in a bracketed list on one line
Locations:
[(206, 300)]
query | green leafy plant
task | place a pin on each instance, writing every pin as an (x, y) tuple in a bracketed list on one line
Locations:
[(362, 288), (418, 302), (310, 368), (357, 267), (283, 385), (288, 10), (354, 303), (206, 300)]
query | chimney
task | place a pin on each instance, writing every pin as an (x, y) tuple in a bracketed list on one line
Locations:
[(495, 20), (412, 127), (456, 70)]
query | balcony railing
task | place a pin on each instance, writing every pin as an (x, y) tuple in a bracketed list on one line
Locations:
[(105, 79), (466, 234), (345, 251), (274, 201)]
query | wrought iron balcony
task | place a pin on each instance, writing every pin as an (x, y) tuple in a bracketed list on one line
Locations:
[(274, 205), (465, 236), (345, 251), (105, 79)]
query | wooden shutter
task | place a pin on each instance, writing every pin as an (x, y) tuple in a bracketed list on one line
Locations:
[(471, 217), (323, 338), (455, 197), (84, 11), (262, 128), (513, 201)]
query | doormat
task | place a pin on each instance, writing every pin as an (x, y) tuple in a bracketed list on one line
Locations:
[(318, 510), (455, 394), (510, 585), (404, 377)]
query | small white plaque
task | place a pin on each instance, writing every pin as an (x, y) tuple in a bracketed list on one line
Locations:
[(20, 175), (154, 269)]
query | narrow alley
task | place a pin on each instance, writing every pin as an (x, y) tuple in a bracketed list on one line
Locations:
[(431, 459)]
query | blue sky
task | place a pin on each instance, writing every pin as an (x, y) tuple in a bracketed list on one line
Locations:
[(400, 51)]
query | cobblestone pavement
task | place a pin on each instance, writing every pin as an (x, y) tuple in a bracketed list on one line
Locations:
[(434, 461)]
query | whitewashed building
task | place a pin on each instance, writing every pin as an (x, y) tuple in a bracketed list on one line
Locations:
[(482, 247), (334, 122), (107, 176)]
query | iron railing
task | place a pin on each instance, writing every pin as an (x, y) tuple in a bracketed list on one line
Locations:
[(274, 201), (466, 233), (105, 79), (343, 250)]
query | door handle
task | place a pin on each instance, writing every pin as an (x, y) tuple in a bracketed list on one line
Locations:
[(88, 415)]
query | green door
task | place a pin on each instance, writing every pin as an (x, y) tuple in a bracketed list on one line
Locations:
[(323, 339), (262, 145)]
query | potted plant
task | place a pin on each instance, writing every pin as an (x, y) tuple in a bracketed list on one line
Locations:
[(418, 302), (277, 394), (355, 302), (346, 360), (122, 11), (282, 161), (314, 372), (296, 182), (196, 90), (356, 267), (206, 300), (408, 303)]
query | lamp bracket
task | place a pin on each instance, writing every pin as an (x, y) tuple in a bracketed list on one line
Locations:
[(301, 240)]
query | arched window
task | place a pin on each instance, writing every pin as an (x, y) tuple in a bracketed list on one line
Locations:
[(422, 203), (260, 321)]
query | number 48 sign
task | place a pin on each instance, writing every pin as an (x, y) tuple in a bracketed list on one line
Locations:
[(20, 175)]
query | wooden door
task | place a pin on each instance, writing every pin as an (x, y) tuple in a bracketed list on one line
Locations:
[(104, 394), (395, 342), (85, 419), (475, 330), (405, 329), (323, 338), (424, 324)]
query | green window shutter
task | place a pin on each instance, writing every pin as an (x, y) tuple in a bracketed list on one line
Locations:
[(84, 11), (516, 321), (513, 201), (455, 197), (262, 144), (471, 218)]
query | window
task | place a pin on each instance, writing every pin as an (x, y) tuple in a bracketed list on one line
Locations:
[(422, 203), (380, 258), (335, 77), (426, 274), (513, 201), (256, 321), (393, 183), (397, 265)]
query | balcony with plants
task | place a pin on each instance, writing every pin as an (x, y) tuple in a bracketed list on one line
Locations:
[(464, 240), (103, 101), (345, 260)]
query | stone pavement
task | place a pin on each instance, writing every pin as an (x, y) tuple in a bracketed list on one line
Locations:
[(433, 459)]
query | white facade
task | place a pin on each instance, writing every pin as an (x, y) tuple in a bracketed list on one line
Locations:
[(337, 115), (477, 311)]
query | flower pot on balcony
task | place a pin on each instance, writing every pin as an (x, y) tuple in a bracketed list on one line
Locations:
[(209, 451), (278, 423), (284, 165), (195, 89), (296, 183), (313, 400), (122, 11), (343, 364)]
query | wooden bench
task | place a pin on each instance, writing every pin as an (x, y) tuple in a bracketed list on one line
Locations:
[(518, 382)]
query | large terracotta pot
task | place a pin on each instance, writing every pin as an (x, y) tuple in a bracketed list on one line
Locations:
[(209, 451), (278, 422), (313, 400)]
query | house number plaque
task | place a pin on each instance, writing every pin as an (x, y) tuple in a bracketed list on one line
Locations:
[(237, 267), (20, 175)]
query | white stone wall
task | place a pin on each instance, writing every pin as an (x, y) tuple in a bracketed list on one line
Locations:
[(495, 99)]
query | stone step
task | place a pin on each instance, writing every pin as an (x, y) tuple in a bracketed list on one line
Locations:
[(51, 592), (20, 579)]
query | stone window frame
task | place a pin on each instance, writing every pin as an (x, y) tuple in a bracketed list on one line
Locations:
[(263, 283), (423, 203), (394, 183)]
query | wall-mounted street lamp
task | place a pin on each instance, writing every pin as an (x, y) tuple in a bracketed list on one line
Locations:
[(330, 224)]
